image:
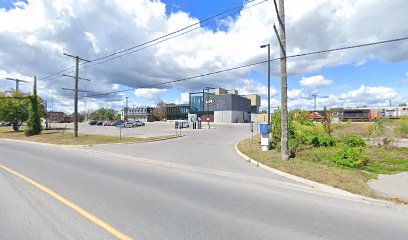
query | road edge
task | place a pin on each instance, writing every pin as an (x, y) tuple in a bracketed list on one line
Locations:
[(310, 183), (84, 145)]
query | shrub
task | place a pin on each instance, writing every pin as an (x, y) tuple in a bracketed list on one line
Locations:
[(276, 130), (351, 153), (355, 141), (377, 129), (402, 127), (322, 141), (28, 132)]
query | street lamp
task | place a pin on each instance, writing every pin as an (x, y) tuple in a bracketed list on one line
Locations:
[(269, 81), (266, 136)]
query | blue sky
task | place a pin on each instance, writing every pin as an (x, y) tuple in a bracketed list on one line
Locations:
[(365, 76), (9, 4)]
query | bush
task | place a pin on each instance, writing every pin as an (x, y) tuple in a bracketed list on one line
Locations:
[(320, 141), (378, 128), (29, 132), (351, 153), (355, 141), (402, 127)]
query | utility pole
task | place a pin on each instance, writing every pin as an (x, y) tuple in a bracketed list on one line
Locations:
[(133, 110), (284, 83), (126, 109), (17, 82), (76, 77), (314, 98)]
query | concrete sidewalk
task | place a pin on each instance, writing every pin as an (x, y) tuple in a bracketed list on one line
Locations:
[(395, 186)]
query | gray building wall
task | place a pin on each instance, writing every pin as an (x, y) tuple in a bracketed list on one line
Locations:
[(231, 117), (228, 102)]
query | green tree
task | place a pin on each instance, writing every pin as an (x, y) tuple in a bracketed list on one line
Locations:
[(103, 114), (34, 122), (14, 109)]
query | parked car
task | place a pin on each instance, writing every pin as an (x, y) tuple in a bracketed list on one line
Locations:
[(5, 124), (92, 123), (118, 123), (100, 123), (107, 123), (139, 123)]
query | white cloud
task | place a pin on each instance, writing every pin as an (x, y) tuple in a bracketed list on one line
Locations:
[(315, 82), (91, 38), (184, 98), (295, 94), (249, 86), (368, 94), (150, 94)]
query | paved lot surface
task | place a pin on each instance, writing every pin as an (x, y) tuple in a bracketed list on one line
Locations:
[(151, 129), (391, 185), (191, 188)]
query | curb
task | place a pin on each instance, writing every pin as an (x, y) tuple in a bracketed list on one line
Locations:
[(310, 183), (82, 145)]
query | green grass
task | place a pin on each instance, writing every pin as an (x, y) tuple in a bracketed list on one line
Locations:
[(59, 136), (316, 164)]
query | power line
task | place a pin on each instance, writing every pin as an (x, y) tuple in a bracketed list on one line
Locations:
[(201, 24), (166, 39), (254, 64), (182, 29)]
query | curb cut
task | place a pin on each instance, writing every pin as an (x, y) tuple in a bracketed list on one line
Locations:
[(310, 183)]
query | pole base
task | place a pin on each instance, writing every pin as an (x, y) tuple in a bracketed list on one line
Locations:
[(265, 148)]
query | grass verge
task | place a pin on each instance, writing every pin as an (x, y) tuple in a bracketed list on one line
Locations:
[(61, 137), (315, 164)]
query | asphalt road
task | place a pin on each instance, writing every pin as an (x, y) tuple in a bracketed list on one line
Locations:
[(163, 190)]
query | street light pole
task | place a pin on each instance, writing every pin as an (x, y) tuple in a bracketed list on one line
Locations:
[(269, 81)]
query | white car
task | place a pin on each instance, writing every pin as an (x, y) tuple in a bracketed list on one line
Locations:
[(132, 124)]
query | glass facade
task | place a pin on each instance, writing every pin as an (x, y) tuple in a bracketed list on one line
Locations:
[(196, 102), (177, 112)]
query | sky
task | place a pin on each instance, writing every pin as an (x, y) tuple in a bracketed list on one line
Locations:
[(35, 34)]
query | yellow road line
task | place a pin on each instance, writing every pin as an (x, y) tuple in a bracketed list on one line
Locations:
[(72, 205)]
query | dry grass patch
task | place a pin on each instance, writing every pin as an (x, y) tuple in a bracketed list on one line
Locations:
[(61, 137)]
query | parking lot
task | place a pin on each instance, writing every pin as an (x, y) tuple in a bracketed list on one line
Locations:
[(151, 129)]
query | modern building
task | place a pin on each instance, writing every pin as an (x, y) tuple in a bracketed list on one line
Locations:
[(223, 106), (144, 114), (177, 112), (56, 117)]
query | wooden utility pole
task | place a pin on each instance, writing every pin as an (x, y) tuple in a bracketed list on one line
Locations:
[(17, 82), (280, 11), (76, 77)]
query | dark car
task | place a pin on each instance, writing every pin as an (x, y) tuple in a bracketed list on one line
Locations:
[(118, 123), (92, 123)]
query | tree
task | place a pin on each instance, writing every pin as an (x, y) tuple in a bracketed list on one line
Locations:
[(263, 111), (402, 105), (14, 109), (160, 111), (103, 114), (34, 122), (326, 121)]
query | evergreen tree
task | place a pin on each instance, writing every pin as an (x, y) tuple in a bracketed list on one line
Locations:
[(34, 121)]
